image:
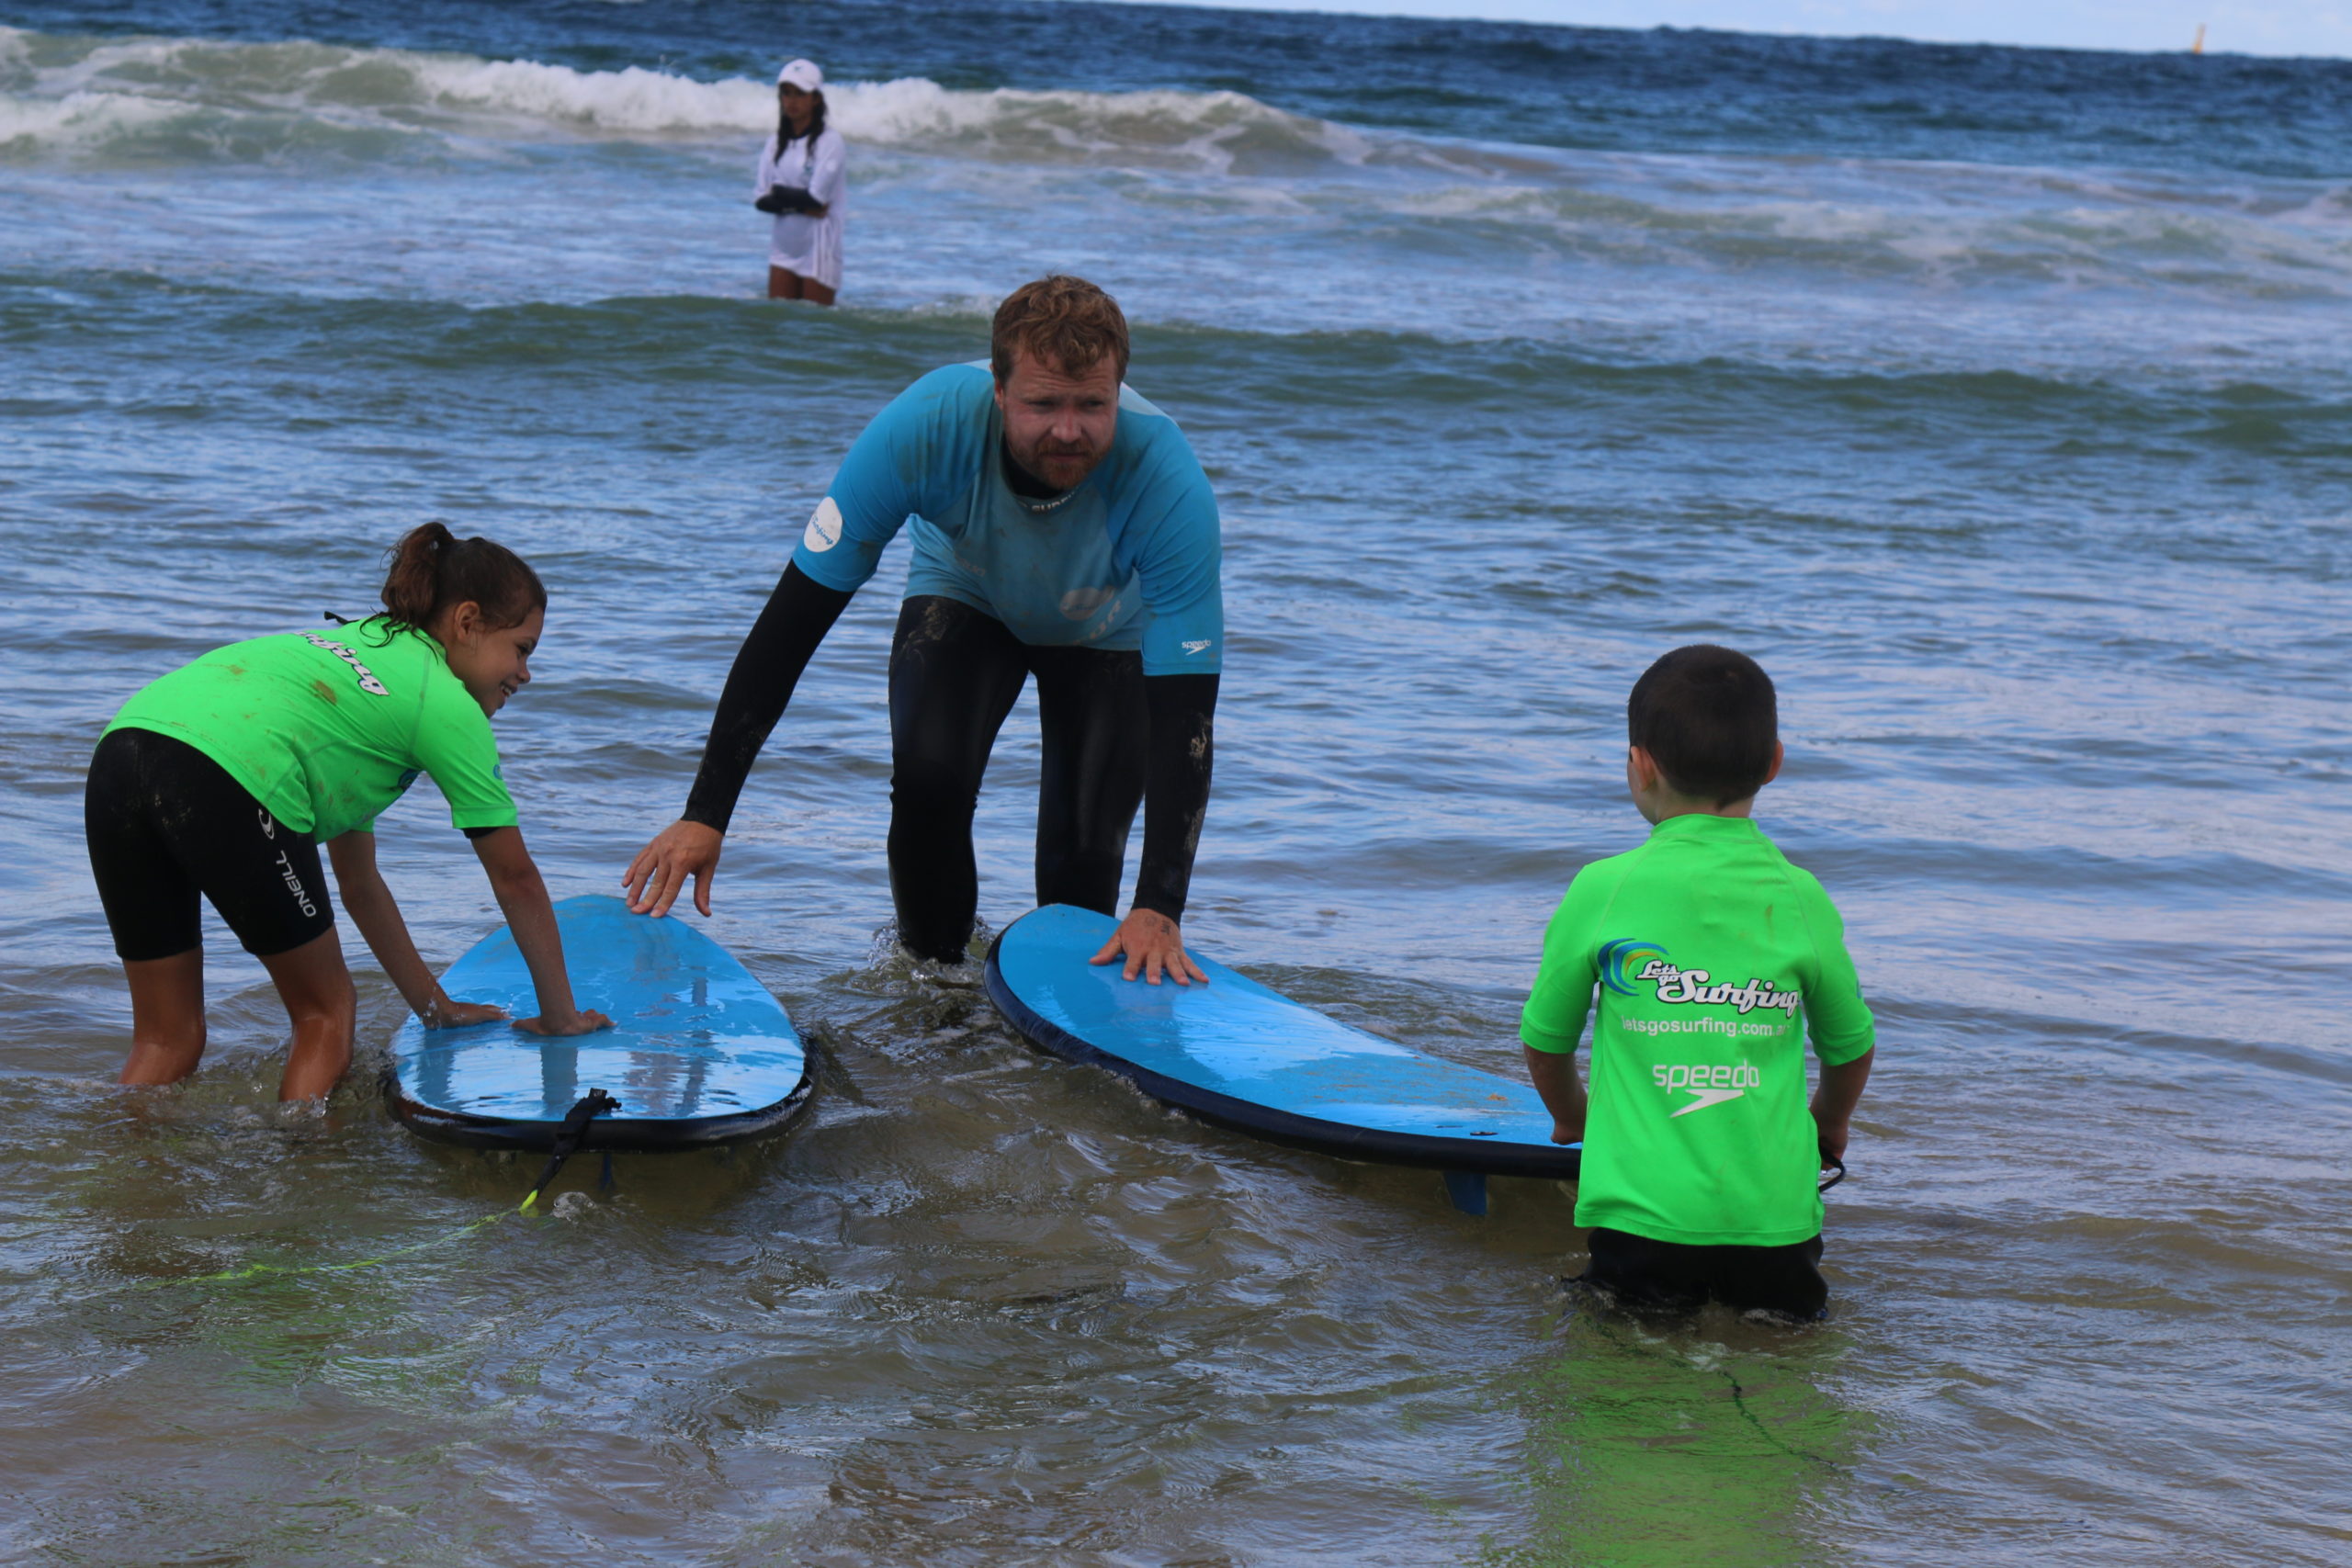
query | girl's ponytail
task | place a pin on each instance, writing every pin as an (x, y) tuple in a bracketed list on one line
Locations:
[(432, 570), (412, 585)]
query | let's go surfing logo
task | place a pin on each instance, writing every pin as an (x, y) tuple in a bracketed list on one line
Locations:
[(1627, 963), (1627, 960)]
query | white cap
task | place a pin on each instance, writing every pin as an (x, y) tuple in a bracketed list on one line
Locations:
[(801, 74)]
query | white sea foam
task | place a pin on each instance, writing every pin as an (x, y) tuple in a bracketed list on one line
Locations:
[(158, 101), (1212, 131), (77, 119), (629, 101), (73, 93)]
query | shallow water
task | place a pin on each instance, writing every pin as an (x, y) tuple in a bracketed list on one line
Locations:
[(1996, 399)]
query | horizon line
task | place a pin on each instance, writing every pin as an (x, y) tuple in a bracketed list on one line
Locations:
[(1524, 14)]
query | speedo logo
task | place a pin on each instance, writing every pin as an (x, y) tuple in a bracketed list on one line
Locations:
[(1627, 960), (1710, 1084), (1199, 647), (367, 682)]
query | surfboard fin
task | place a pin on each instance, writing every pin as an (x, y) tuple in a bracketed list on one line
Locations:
[(1468, 1190)]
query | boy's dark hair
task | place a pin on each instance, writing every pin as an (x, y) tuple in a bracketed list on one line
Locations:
[(1708, 716)]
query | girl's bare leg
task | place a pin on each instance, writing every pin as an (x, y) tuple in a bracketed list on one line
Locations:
[(815, 292), (320, 1002), (166, 1017)]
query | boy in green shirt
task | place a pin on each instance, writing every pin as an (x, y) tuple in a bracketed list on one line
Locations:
[(1712, 957)]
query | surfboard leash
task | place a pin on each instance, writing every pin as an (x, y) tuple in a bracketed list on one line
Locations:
[(262, 1270), (1599, 1323), (566, 1143), (568, 1139)]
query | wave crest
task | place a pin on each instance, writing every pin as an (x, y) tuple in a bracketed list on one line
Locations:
[(201, 98), (1215, 132)]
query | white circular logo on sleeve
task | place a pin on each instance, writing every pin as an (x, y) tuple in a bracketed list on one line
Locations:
[(824, 527)]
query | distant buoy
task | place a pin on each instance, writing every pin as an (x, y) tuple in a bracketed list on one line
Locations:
[(2198, 47)]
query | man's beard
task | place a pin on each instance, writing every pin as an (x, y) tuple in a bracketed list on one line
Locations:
[(1063, 470)]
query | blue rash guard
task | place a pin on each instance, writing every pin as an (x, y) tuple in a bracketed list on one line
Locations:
[(1124, 565), (1128, 560)]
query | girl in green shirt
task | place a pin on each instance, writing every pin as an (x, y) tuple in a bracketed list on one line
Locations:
[(221, 779)]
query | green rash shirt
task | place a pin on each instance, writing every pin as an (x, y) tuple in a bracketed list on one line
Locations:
[(1711, 955), (327, 731)]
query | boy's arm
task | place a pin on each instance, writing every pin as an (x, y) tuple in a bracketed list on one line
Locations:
[(1845, 1035), (1556, 1080), (1833, 1101), (1557, 1004)]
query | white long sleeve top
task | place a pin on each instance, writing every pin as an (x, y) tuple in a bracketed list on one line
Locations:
[(810, 247)]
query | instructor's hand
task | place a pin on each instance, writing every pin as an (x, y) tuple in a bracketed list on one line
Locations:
[(682, 850), (1152, 944)]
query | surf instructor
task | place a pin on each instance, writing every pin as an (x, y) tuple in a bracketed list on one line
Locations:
[(1063, 530)]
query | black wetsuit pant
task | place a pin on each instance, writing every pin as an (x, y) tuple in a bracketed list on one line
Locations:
[(1649, 1276), (167, 824), (955, 674)]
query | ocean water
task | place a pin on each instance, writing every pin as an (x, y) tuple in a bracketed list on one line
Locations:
[(1998, 400)]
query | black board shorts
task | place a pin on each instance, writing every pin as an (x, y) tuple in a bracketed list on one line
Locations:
[(166, 823), (1648, 1276)]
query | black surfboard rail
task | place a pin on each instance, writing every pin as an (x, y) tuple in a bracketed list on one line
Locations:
[(620, 1135), (1468, 1157)]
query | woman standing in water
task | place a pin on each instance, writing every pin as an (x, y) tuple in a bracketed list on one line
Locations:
[(803, 177)]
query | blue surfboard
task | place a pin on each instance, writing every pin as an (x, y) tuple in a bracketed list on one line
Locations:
[(699, 1053), (1239, 1054)]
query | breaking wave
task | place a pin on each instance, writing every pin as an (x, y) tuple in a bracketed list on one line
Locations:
[(200, 98), (146, 103)]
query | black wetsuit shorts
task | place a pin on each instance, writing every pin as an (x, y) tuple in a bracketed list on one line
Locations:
[(167, 824), (1648, 1276)]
